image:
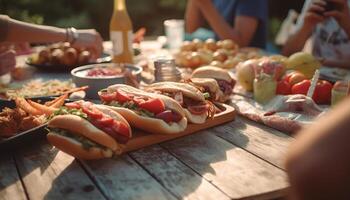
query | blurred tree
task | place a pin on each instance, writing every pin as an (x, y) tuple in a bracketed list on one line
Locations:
[(96, 13)]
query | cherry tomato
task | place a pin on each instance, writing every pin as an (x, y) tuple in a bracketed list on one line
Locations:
[(323, 92), (296, 77), (93, 113), (287, 77), (108, 97), (198, 110), (73, 105), (153, 105), (122, 96), (301, 88), (284, 88)]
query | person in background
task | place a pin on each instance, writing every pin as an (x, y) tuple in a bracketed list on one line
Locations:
[(318, 162), (244, 21), (13, 31), (327, 25)]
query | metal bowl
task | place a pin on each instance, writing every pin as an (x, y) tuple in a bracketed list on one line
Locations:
[(98, 83)]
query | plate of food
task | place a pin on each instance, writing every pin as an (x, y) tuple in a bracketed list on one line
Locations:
[(24, 120), (39, 88), (63, 57)]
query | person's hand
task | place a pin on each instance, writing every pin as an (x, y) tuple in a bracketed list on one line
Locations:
[(312, 16), (7, 61), (91, 40), (341, 14)]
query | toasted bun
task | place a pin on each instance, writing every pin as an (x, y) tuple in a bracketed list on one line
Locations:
[(196, 119), (152, 125), (75, 148), (212, 72), (187, 90), (212, 86), (169, 102), (77, 125)]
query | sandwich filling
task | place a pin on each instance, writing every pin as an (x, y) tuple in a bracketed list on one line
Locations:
[(195, 107), (225, 86), (116, 129), (143, 106)]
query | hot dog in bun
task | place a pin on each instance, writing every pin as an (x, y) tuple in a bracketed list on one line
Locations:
[(210, 86), (197, 109), (224, 79), (151, 112), (88, 131)]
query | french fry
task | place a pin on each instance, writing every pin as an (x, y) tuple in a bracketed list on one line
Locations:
[(59, 101), (42, 108), (77, 89), (24, 105)]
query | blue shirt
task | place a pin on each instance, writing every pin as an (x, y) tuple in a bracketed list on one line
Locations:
[(229, 9)]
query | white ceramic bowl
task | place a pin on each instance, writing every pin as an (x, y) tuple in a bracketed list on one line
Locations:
[(98, 83)]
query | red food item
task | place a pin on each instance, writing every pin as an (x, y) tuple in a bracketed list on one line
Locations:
[(169, 116), (73, 105), (301, 88), (323, 92), (198, 109), (122, 97), (296, 77), (106, 121), (100, 72), (92, 113), (108, 97), (121, 128), (153, 105), (117, 130), (287, 77), (283, 88)]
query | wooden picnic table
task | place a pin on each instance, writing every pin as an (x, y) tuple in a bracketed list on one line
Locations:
[(237, 160)]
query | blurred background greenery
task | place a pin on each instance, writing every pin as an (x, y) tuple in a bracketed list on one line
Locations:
[(96, 13)]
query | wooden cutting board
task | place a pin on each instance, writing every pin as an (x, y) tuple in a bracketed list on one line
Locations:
[(142, 139)]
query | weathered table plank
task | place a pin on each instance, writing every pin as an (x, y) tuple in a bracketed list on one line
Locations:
[(122, 178), (267, 143), (51, 174), (175, 176), (235, 171), (10, 183)]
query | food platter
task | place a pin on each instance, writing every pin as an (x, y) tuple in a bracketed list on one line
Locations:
[(142, 139), (25, 137), (105, 58)]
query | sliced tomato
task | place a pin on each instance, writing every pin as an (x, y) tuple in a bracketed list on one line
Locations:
[(73, 105), (108, 97), (106, 121), (139, 100), (153, 105), (198, 109), (122, 96), (93, 113), (121, 128)]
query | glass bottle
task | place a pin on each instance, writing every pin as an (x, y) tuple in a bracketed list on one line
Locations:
[(121, 33)]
